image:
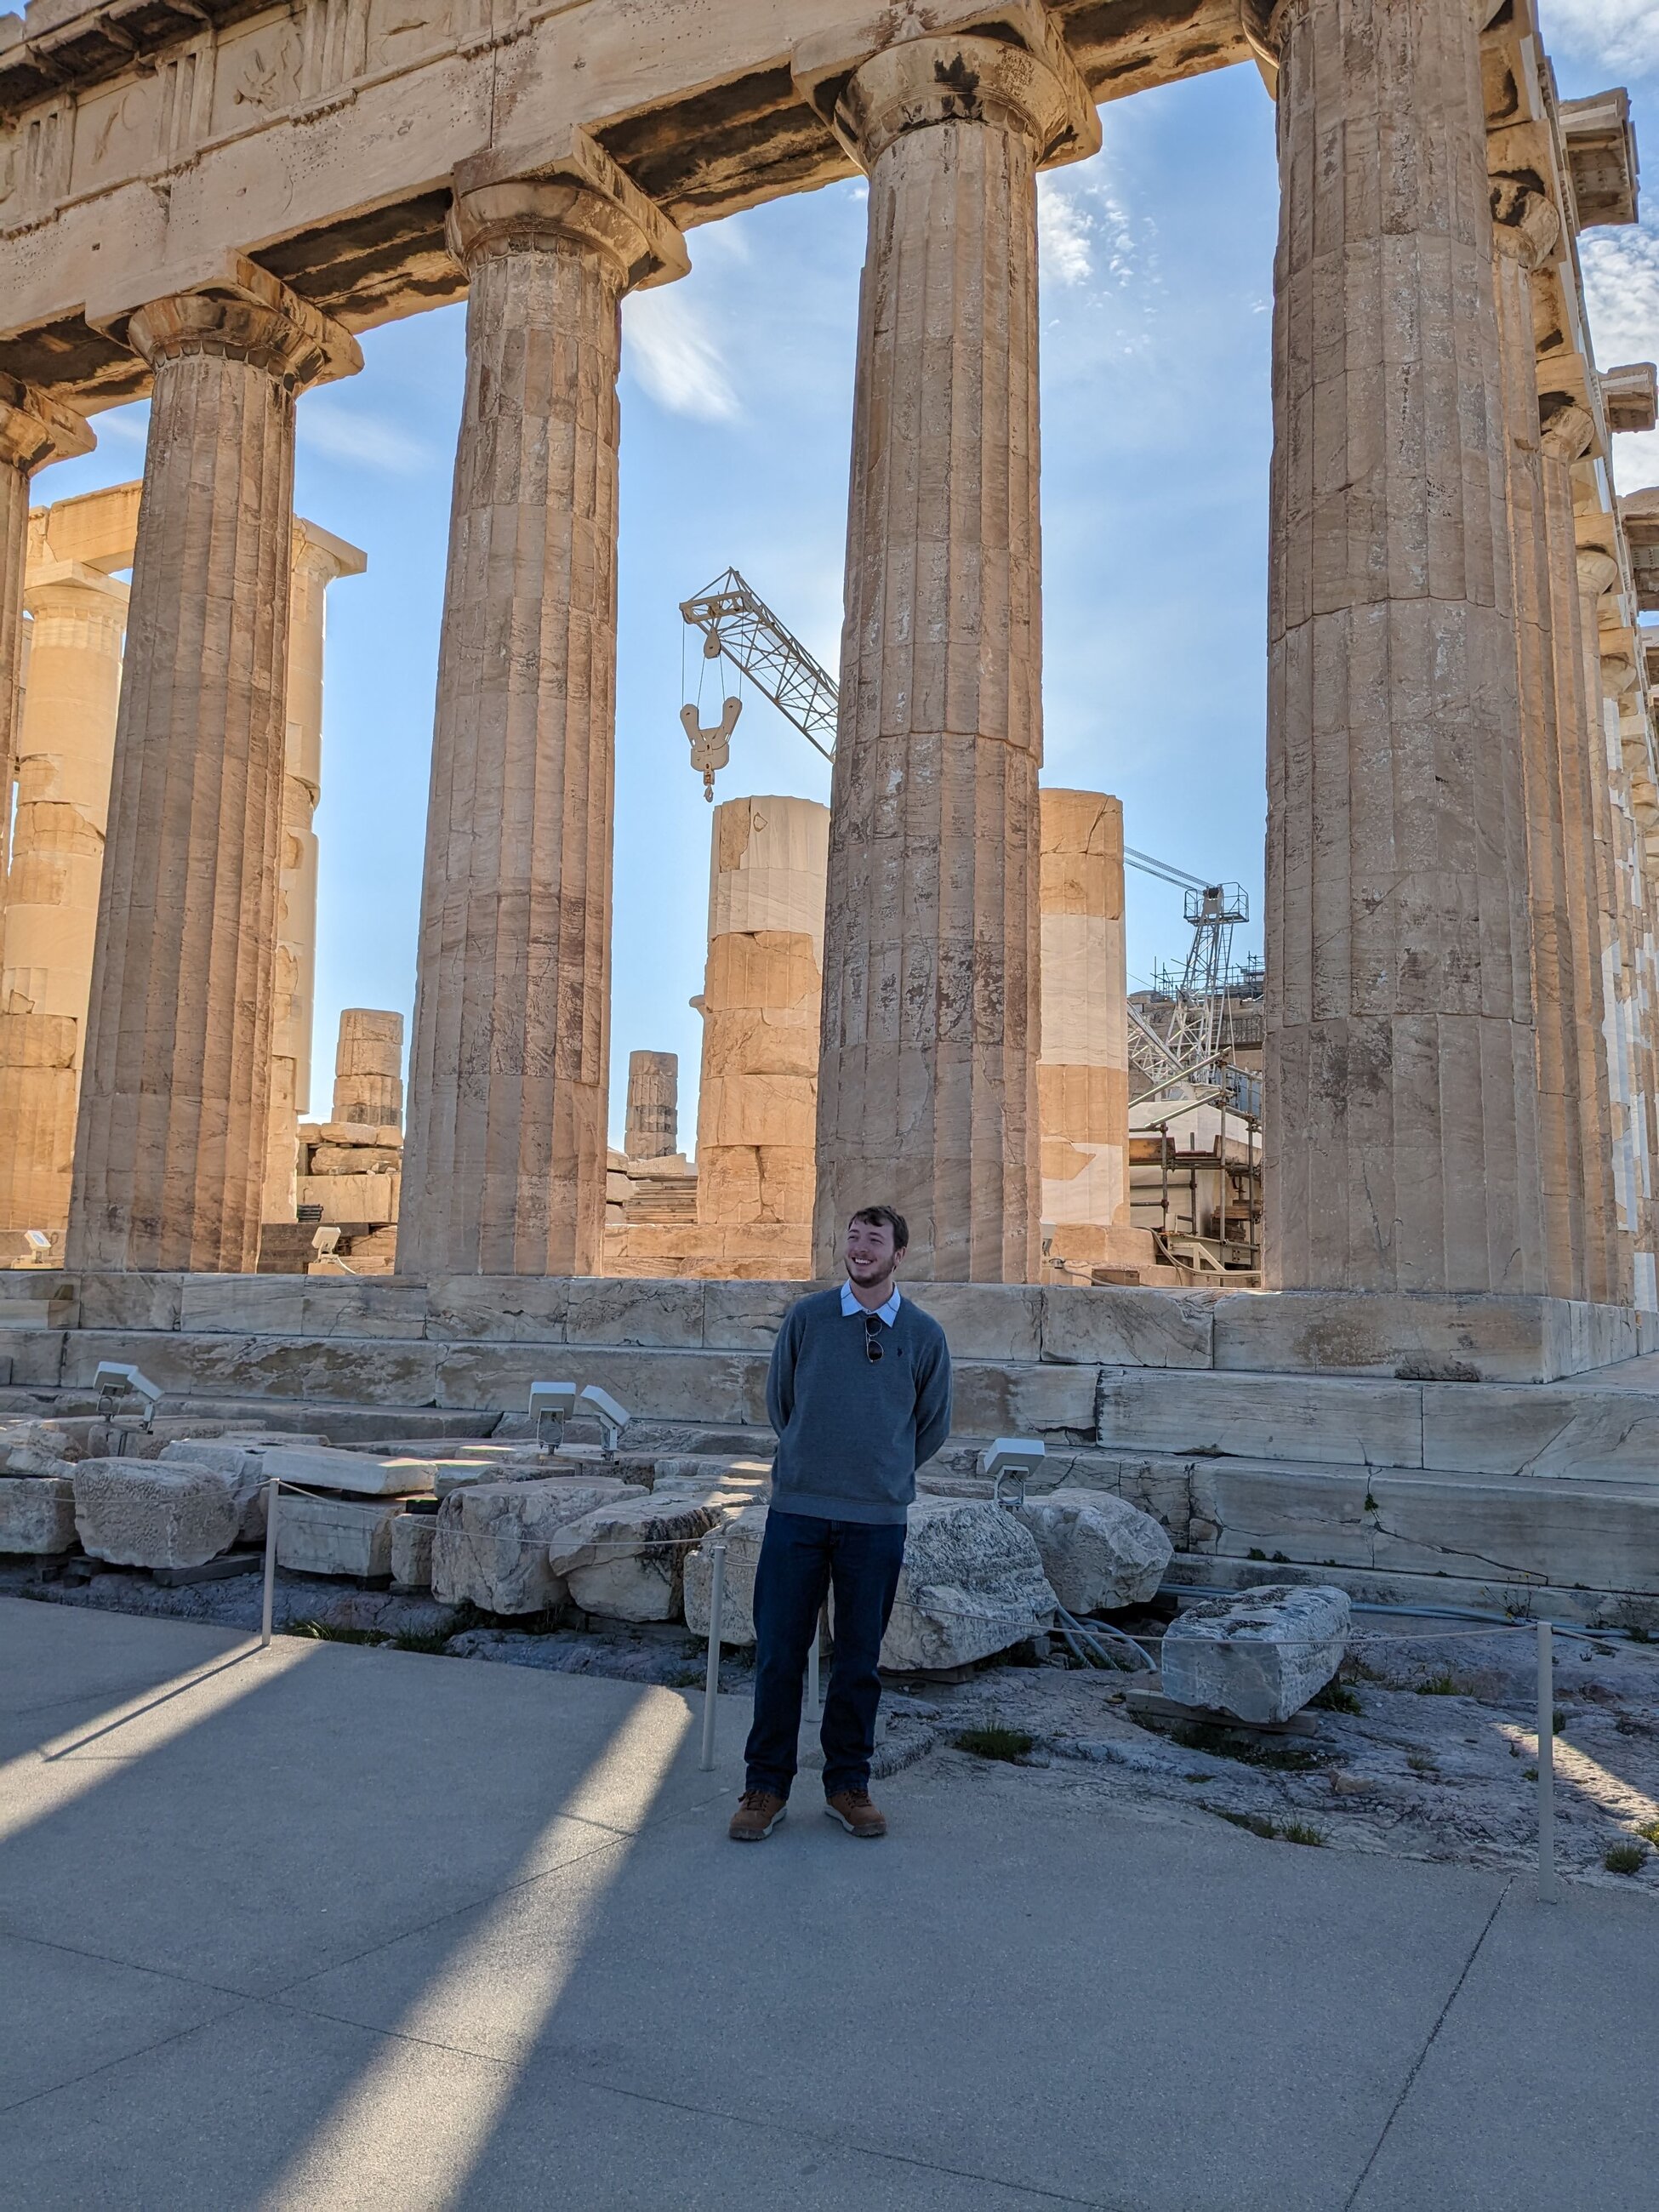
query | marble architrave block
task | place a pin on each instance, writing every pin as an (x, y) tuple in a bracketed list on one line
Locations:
[(1293, 1417), (1260, 1654), (338, 1536), (138, 1513), (320, 1468)]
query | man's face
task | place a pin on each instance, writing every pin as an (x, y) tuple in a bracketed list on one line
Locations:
[(870, 1252)]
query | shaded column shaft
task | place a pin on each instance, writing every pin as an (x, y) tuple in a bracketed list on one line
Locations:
[(508, 1081), (652, 1129), (1401, 1084), (931, 1016), (1525, 231), (1582, 833), (368, 1063), (170, 1150), (64, 751)]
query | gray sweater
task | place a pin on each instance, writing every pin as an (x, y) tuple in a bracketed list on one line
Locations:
[(852, 1431)]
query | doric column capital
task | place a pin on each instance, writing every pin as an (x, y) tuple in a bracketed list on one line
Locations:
[(323, 556), (578, 196), (246, 314), (1032, 87), (1598, 572), (71, 587), (1525, 225), (35, 429), (1568, 427), (1265, 21)]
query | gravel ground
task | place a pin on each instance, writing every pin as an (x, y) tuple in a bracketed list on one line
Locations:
[(1438, 1762)]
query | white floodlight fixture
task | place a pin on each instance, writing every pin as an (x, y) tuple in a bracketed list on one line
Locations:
[(38, 1240), (113, 1379), (325, 1244), (551, 1405), (1012, 1460), (611, 1418)]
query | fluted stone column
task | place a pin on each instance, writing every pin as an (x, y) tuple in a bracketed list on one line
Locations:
[(505, 1163), (368, 1068), (170, 1150), (65, 741), (1083, 1075), (318, 559), (34, 431), (1567, 434), (1597, 574), (652, 1129), (931, 1018), (761, 1001), (1525, 232), (1400, 1085)]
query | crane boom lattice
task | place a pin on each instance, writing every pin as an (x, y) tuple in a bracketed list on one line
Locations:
[(737, 622)]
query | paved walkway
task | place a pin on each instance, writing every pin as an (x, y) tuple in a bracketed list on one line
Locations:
[(340, 1928)]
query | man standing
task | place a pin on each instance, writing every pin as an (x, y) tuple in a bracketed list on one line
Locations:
[(860, 1395)]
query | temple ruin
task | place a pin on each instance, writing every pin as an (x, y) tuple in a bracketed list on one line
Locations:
[(206, 203)]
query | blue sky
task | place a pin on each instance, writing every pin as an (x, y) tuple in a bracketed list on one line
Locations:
[(737, 396)]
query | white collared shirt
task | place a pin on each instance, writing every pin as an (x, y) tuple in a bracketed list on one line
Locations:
[(849, 1305)]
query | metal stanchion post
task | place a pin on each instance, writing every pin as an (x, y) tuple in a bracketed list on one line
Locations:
[(273, 1491), (1548, 1888), (711, 1695)]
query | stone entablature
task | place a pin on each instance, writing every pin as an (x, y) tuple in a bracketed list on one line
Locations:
[(148, 133)]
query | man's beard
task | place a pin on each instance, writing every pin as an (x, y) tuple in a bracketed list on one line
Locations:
[(869, 1274)]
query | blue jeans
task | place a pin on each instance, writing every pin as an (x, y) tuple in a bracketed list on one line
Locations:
[(801, 1558)]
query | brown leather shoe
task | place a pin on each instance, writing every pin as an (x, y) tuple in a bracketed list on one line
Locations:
[(758, 1813), (853, 1809)]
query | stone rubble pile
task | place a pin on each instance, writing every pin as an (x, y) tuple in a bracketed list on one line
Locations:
[(514, 1531)]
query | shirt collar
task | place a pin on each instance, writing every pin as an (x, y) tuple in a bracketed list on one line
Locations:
[(849, 1305)]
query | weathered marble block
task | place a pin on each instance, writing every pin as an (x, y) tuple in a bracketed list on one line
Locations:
[(319, 1467), (242, 1469), (1097, 1551), (336, 1536), (491, 1544), (972, 1584), (37, 1514), (37, 1447), (1259, 1656), (743, 1535), (627, 1560), (139, 1513), (412, 1536)]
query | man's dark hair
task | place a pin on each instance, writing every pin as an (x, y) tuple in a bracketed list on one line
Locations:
[(883, 1217)]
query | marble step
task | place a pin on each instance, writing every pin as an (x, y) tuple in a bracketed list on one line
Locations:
[(1599, 1535)]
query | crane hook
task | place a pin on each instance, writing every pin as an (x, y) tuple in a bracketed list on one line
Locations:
[(710, 749)]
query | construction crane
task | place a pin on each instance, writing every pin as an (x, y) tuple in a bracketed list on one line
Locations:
[(736, 623)]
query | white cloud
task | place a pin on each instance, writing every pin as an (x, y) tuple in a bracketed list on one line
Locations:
[(126, 425), (1621, 286), (676, 357), (1063, 234), (1623, 33), (371, 442)]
